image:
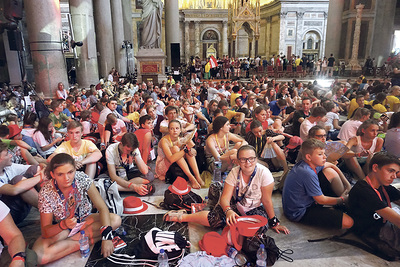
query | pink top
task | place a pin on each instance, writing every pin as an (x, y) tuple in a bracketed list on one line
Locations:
[(140, 133)]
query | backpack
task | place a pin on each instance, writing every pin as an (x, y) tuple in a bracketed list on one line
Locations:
[(177, 202), (147, 248), (109, 193)]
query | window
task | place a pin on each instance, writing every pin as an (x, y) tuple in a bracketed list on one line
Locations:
[(309, 43), (290, 32), (316, 45)]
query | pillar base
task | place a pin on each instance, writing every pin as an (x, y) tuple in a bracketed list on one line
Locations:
[(151, 65)]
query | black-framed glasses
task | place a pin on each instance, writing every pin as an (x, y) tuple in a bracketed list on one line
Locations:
[(250, 160), (321, 135)]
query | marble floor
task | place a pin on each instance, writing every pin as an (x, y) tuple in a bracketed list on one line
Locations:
[(326, 253)]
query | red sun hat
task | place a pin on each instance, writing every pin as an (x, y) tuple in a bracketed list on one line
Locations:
[(134, 205), (245, 226), (14, 131), (214, 244), (179, 187), (294, 142)]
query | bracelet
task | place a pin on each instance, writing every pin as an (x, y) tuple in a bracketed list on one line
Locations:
[(106, 233), (273, 222), (20, 256), (59, 225), (130, 185), (186, 149), (342, 199), (227, 209)]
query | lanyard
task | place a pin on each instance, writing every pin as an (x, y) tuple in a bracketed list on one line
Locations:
[(125, 164), (71, 201), (239, 199), (377, 192), (261, 143), (219, 147)]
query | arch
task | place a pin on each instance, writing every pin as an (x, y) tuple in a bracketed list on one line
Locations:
[(319, 34), (208, 29)]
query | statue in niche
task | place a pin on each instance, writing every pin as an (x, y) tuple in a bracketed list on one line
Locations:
[(151, 21)]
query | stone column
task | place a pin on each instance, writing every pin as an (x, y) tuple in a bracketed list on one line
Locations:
[(197, 39), (87, 72), (128, 31), (43, 19), (104, 36), (334, 28), (282, 34), (187, 42), (268, 39), (224, 38), (234, 47), (323, 39), (299, 32), (356, 40), (171, 26), (118, 35)]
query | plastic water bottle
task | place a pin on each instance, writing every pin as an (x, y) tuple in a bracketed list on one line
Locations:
[(261, 256), (239, 258), (84, 245), (217, 171), (120, 231), (162, 259)]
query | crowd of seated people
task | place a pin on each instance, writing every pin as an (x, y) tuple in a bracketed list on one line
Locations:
[(138, 133)]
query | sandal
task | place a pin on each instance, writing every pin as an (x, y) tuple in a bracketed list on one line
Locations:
[(174, 216)]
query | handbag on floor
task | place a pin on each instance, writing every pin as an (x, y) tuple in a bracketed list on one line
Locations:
[(109, 193)]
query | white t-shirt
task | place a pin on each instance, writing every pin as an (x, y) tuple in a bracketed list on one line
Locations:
[(113, 157), (253, 196), (86, 127), (11, 171), (331, 116), (40, 142), (104, 113), (212, 93), (4, 210), (349, 130), (305, 126)]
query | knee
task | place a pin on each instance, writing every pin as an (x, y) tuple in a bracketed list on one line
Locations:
[(115, 221), (175, 149), (347, 222), (330, 174), (149, 176)]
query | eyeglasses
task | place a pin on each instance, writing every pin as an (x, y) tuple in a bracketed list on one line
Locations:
[(320, 135), (250, 160)]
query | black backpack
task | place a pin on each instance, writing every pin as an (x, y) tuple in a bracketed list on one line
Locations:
[(173, 201)]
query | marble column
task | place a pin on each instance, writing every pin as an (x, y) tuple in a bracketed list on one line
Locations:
[(128, 31), (334, 28), (187, 42), (87, 72), (234, 47), (323, 39), (43, 19), (268, 38), (299, 32), (104, 36), (282, 34), (118, 36), (197, 39), (356, 40), (224, 38), (171, 26)]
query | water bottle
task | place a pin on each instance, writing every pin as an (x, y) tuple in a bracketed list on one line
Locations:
[(217, 171), (120, 231), (239, 258), (162, 259), (261, 256), (84, 245)]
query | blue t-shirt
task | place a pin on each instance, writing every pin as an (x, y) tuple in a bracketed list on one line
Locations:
[(275, 109), (301, 185)]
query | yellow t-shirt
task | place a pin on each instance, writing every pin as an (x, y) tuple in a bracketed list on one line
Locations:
[(230, 114), (353, 106), (380, 108), (391, 100), (86, 148), (233, 97)]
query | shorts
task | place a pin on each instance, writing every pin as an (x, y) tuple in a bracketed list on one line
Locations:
[(327, 217)]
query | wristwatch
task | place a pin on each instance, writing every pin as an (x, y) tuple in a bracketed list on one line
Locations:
[(186, 149)]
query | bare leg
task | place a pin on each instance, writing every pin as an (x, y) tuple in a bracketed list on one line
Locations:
[(185, 168), (51, 249), (198, 217), (336, 184), (90, 170), (28, 157), (347, 222), (355, 167), (30, 197), (193, 164)]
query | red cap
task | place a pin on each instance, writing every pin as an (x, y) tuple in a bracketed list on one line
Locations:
[(214, 244)]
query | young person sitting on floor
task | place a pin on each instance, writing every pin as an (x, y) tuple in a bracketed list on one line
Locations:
[(126, 166), (304, 197), (247, 191), (65, 200), (370, 203)]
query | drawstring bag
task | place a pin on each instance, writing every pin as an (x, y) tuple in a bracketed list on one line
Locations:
[(268, 152)]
